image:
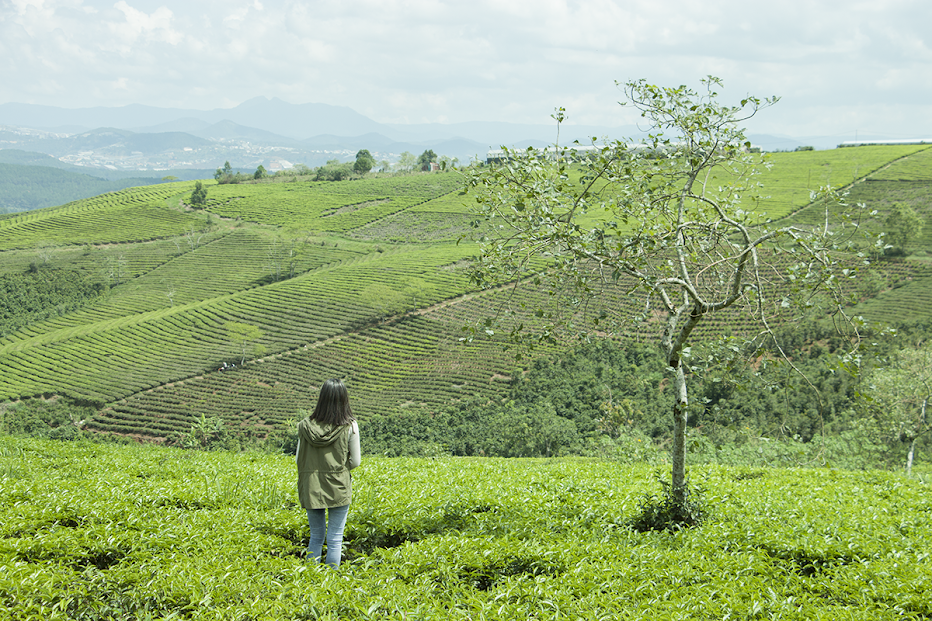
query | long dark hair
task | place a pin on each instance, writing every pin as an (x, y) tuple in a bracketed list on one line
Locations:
[(333, 406)]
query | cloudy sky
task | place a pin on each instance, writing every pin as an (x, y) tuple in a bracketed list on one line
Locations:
[(843, 68)]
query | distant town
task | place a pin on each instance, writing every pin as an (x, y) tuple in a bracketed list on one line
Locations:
[(115, 151)]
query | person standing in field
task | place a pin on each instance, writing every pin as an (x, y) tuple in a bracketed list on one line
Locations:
[(328, 448)]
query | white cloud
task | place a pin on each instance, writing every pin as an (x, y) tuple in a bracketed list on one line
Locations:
[(834, 62)]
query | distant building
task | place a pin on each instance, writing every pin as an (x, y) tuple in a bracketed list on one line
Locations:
[(871, 143), (278, 164), (498, 155)]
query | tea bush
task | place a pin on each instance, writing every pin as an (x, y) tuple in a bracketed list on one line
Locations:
[(91, 531)]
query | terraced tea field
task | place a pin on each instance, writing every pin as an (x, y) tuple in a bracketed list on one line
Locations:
[(327, 206), (791, 176), (132, 215), (362, 279)]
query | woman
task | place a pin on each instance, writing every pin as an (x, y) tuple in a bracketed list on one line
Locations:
[(328, 448)]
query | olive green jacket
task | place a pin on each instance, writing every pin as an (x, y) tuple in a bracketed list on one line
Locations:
[(324, 465)]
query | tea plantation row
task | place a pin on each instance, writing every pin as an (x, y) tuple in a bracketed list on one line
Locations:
[(99, 532)]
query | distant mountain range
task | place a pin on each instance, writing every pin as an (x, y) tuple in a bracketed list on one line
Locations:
[(146, 141), (309, 133)]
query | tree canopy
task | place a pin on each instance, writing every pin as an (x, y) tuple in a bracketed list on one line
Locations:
[(902, 226), (364, 162), (655, 235), (199, 196), (426, 158), (902, 392)]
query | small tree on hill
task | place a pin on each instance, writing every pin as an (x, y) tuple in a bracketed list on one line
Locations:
[(426, 158), (364, 162), (199, 196), (224, 173), (903, 392), (244, 335), (261, 172), (407, 161), (902, 226), (668, 224)]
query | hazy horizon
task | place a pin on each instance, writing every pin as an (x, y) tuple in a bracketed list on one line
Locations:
[(842, 69)]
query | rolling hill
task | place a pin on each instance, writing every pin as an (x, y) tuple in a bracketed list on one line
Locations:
[(360, 279)]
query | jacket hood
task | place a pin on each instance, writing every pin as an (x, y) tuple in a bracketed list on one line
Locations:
[(317, 433)]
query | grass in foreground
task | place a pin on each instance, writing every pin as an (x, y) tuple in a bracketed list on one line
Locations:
[(98, 531)]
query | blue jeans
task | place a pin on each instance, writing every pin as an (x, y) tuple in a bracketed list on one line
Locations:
[(331, 529)]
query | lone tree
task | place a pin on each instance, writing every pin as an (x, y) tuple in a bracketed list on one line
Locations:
[(425, 159), (261, 172), (243, 335), (407, 161), (199, 196), (903, 391), (667, 225), (225, 174), (364, 162), (901, 227)]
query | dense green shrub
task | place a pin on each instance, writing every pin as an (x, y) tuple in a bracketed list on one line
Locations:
[(56, 419), (665, 512), (581, 383), (334, 170), (44, 292), (474, 428)]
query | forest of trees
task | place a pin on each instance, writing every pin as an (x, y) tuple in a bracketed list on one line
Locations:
[(23, 188)]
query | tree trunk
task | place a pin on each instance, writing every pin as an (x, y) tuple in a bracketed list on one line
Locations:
[(679, 436), (912, 440)]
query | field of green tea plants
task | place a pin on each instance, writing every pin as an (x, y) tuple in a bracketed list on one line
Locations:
[(131, 215), (364, 279), (791, 176), (328, 206), (92, 531)]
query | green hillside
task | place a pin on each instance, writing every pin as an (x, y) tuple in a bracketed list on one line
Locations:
[(23, 188), (363, 279)]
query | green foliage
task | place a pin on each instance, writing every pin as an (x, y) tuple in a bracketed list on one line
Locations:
[(95, 532), (902, 226), (226, 171), (669, 512), (205, 434), (133, 215), (594, 379), (39, 418), (472, 428), (407, 161), (902, 391), (42, 293), (644, 220), (324, 206), (335, 170), (226, 176), (790, 178), (25, 187), (364, 162), (199, 196), (245, 335), (914, 168), (425, 159), (148, 352), (261, 172)]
